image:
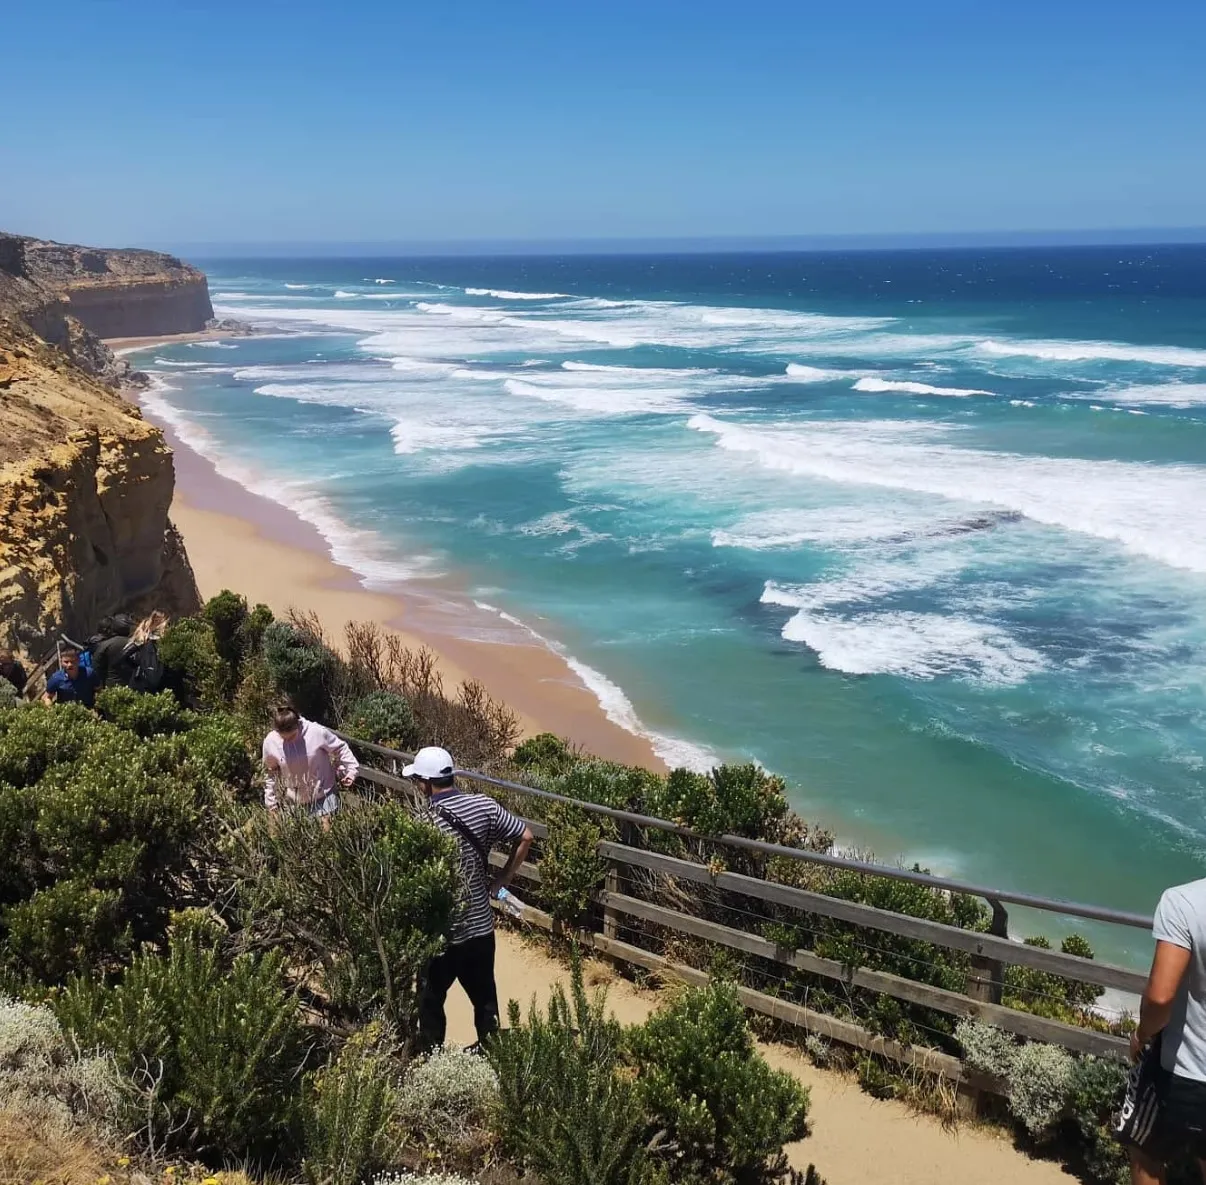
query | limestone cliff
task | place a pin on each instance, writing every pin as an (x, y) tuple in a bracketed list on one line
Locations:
[(74, 296), (85, 486)]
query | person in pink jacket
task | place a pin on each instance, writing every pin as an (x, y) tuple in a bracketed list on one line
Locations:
[(308, 763)]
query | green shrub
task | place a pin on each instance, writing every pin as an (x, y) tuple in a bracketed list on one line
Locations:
[(545, 754), (571, 868), (10, 697), (36, 739), (1051, 995), (69, 927), (364, 905), (144, 715), (189, 653), (216, 748), (1095, 1089), (349, 1125), (566, 1112), (302, 667), (237, 634), (384, 718), (700, 1078), (217, 1048)]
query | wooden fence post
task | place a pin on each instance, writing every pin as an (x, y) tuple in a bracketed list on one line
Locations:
[(987, 976), (611, 919)]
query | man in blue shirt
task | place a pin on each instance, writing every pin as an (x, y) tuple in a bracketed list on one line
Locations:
[(70, 684)]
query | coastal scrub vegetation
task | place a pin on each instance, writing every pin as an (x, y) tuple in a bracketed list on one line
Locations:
[(187, 985), (199, 983)]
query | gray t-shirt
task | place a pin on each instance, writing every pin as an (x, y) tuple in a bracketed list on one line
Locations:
[(1181, 920)]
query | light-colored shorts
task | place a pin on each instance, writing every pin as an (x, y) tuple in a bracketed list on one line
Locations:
[(325, 806)]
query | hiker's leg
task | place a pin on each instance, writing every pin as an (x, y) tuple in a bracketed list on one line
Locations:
[(433, 991), (476, 974), (1144, 1170)]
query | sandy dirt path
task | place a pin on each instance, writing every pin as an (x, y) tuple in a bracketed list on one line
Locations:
[(855, 1140)]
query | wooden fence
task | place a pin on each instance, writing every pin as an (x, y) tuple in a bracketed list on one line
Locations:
[(989, 953)]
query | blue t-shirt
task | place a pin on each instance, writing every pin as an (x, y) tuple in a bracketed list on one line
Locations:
[(80, 690)]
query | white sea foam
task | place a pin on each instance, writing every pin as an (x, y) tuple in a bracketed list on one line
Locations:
[(1137, 506), (833, 526), (505, 294), (598, 399), (1090, 351), (1022, 403), (175, 365), (343, 294), (813, 374), (912, 388), (213, 345), (914, 645), (1166, 394), (361, 552), (617, 707), (381, 280), (299, 285)]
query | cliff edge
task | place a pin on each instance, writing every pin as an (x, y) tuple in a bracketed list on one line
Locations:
[(73, 297), (85, 481)]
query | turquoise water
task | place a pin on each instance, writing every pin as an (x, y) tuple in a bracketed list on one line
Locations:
[(921, 531)]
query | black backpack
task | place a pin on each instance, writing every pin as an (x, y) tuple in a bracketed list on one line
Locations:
[(146, 665)]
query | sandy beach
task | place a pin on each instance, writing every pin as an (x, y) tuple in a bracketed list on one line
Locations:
[(239, 540), (126, 345)]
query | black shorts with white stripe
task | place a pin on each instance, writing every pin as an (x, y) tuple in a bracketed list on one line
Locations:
[(1180, 1124)]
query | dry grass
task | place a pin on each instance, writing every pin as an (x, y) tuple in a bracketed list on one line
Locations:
[(45, 1154)]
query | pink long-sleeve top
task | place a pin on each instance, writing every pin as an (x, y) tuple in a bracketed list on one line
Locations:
[(308, 767)]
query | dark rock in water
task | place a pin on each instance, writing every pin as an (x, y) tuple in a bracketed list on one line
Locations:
[(228, 325)]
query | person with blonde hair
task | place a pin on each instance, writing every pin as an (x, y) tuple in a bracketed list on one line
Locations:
[(141, 654)]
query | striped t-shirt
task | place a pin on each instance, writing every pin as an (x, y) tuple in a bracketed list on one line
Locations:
[(491, 824)]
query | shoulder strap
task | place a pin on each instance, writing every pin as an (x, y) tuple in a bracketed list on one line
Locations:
[(463, 828)]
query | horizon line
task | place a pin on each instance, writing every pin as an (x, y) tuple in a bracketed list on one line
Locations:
[(695, 244)]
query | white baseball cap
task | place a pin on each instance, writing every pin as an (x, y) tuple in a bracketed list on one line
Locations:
[(430, 764)]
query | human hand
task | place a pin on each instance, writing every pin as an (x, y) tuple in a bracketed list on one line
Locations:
[(1137, 1046)]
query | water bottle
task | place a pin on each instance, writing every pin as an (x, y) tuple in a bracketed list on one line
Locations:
[(509, 903)]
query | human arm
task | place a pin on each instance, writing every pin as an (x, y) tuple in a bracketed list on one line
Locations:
[(272, 768), (51, 694), (1168, 970), (1174, 946), (343, 760), (511, 827)]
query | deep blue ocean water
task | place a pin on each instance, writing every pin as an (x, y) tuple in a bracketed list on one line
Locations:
[(923, 531)]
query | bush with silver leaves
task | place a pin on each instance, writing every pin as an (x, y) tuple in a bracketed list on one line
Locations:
[(987, 1048), (1039, 1085), (447, 1095), (44, 1078)]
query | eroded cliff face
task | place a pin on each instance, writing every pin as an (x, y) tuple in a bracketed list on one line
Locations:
[(85, 487), (74, 296)]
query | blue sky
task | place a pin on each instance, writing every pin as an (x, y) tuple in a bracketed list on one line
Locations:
[(382, 120)]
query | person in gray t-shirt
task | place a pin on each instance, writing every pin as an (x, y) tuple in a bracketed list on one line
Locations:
[(1174, 1008)]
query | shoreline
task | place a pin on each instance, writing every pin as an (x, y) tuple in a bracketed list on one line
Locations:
[(238, 539), (130, 345)]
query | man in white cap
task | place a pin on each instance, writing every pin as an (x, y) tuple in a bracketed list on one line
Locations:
[(479, 824)]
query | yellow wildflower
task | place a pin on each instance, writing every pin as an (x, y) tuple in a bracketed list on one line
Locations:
[(211, 1181), (122, 1161)]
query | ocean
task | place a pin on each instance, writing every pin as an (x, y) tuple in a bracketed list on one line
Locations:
[(924, 532)]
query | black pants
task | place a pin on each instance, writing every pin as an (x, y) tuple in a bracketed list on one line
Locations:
[(472, 964)]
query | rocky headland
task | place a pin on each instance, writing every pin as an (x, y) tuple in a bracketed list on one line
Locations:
[(85, 481)]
